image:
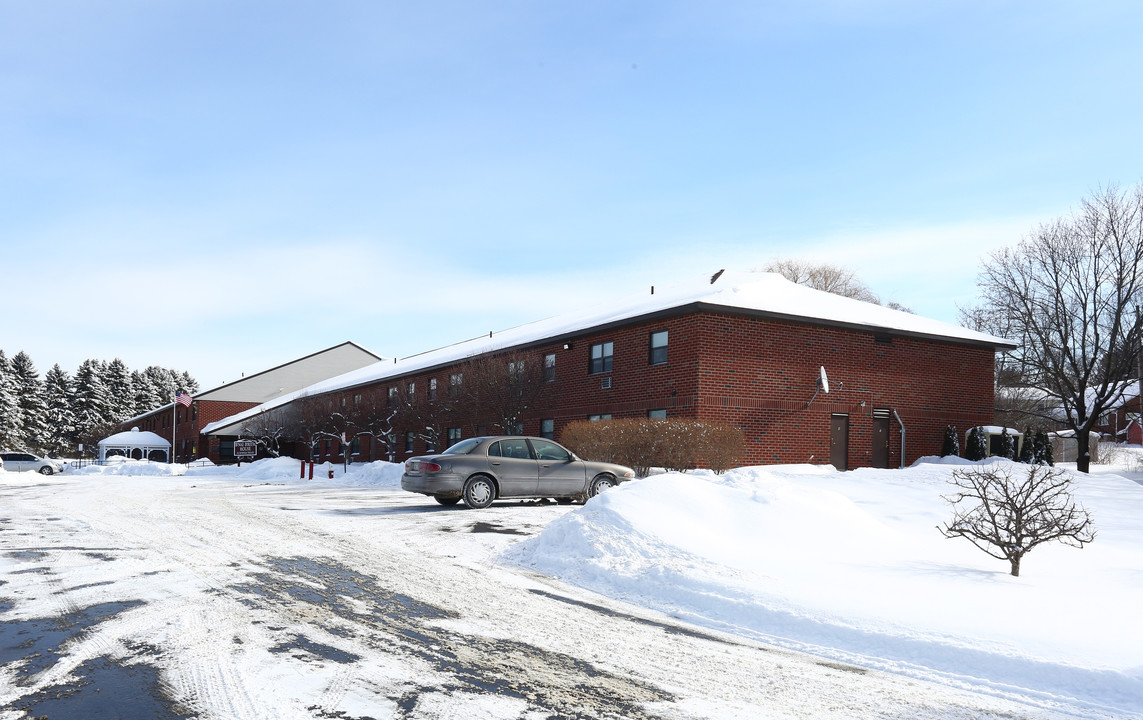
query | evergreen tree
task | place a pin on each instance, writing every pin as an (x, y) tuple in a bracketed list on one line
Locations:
[(30, 397), (1027, 447), (164, 384), (11, 419), (120, 393), (188, 383), (1043, 449), (91, 406), (59, 417), (976, 447), (145, 394), (1006, 448), (951, 443)]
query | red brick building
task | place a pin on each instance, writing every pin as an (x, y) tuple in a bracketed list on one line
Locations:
[(182, 425), (744, 348)]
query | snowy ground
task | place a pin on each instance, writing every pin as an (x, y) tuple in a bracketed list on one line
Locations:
[(251, 594)]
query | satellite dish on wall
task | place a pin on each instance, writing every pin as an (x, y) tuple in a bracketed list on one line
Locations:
[(824, 380)]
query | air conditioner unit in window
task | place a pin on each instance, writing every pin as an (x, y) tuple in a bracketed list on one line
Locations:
[(606, 383)]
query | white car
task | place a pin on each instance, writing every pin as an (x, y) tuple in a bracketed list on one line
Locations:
[(17, 461)]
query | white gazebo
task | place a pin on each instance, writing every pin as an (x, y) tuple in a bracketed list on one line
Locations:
[(136, 444)]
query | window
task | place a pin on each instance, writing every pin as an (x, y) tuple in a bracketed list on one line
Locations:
[(516, 370), (658, 351), (549, 451), (343, 403), (550, 367), (432, 388), (516, 448), (516, 428), (357, 399), (657, 414), (597, 418), (355, 446), (409, 438), (601, 357), (548, 429), (411, 390), (392, 400), (454, 382), (453, 436)]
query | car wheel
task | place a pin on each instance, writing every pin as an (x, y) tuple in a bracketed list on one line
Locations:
[(479, 492), (46, 470), (601, 483), (446, 501)]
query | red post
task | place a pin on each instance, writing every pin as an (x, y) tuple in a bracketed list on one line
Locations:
[(311, 469), (303, 475)]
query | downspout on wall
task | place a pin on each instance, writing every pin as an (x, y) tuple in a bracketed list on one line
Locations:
[(902, 437)]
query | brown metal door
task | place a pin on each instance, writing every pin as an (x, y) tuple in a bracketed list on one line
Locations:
[(839, 441), (880, 439)]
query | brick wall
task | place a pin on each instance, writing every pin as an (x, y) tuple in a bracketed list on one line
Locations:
[(758, 374)]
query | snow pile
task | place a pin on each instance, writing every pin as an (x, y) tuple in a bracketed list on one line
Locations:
[(851, 566), (120, 465), (287, 469)]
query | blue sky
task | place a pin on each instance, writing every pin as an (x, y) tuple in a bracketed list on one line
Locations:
[(221, 187)]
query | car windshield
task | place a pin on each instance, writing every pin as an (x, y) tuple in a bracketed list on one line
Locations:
[(463, 447)]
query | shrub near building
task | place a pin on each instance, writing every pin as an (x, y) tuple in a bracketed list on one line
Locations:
[(673, 444)]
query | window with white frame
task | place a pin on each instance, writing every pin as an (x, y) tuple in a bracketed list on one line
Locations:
[(657, 354), (550, 367), (601, 355)]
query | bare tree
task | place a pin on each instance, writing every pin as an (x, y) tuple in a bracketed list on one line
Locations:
[(371, 416), (269, 428), (308, 420), (828, 278), (501, 388), (1006, 518), (1071, 294)]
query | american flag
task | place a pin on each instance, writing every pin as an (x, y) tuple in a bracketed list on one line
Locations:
[(182, 398)]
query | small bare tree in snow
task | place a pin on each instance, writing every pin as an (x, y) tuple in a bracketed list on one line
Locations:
[(1007, 517)]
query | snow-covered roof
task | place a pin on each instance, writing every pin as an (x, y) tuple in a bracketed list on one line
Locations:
[(136, 438), (764, 294)]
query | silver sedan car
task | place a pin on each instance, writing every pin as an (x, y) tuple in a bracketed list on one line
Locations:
[(480, 470)]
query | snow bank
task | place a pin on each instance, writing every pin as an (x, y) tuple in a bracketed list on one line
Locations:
[(119, 465), (285, 469), (851, 565)]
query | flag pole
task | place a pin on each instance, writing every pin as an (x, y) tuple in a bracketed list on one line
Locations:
[(174, 424)]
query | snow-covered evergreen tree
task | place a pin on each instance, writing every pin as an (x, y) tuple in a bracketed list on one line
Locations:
[(92, 404), (11, 419), (189, 384), (163, 383), (977, 447), (30, 397), (1005, 447), (58, 417), (146, 395), (1028, 447), (951, 443), (121, 394), (1043, 449)]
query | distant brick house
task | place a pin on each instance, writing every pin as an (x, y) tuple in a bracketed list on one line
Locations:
[(182, 425), (744, 348)]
